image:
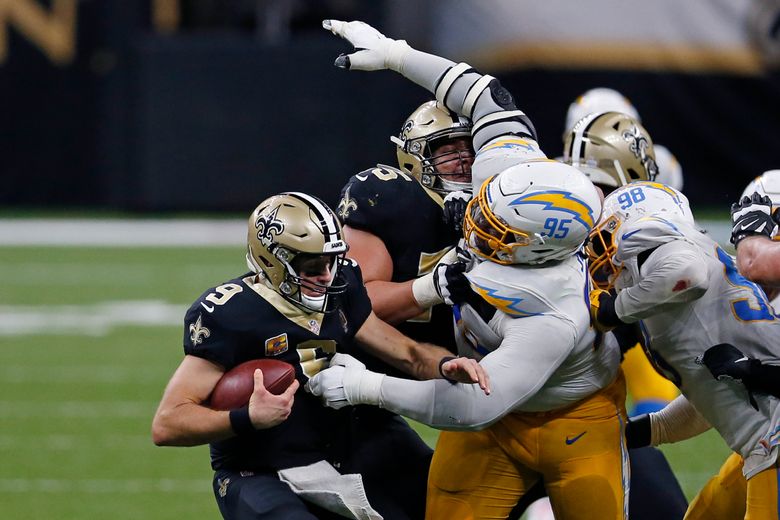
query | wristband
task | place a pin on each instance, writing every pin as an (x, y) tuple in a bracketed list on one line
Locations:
[(441, 372), (240, 421), (424, 291)]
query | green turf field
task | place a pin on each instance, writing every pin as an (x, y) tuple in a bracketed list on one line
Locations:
[(88, 338)]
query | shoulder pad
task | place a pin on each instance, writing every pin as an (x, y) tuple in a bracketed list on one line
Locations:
[(380, 197), (646, 233), (522, 291)]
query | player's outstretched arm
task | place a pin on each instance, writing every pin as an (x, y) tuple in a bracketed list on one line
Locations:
[(182, 419), (459, 86)]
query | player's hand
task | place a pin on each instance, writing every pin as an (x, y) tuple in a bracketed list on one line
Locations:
[(752, 216), (602, 310), (638, 431), (455, 209), (451, 283), (266, 409), (373, 50), (465, 370), (726, 361), (346, 382)]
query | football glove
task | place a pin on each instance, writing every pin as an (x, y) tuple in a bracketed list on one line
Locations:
[(726, 362), (346, 382), (373, 50), (451, 283), (752, 216), (455, 209), (602, 311)]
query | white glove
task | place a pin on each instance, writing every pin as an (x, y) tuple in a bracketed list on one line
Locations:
[(346, 382), (373, 50)]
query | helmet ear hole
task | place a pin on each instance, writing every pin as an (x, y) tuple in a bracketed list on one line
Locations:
[(634, 174)]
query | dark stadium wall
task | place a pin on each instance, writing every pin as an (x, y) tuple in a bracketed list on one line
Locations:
[(216, 120)]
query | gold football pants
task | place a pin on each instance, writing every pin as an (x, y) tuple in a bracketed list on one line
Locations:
[(579, 451), (728, 496)]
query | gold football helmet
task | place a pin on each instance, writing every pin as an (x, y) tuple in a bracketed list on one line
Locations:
[(291, 234), (427, 128), (611, 148)]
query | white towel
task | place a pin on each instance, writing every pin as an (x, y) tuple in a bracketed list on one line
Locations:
[(321, 484)]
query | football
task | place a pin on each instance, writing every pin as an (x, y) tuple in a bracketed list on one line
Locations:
[(235, 386)]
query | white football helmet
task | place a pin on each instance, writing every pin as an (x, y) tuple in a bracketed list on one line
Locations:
[(669, 169), (767, 184), (599, 100), (532, 213), (627, 204), (290, 233)]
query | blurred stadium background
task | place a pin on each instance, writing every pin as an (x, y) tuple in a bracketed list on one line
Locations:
[(137, 133)]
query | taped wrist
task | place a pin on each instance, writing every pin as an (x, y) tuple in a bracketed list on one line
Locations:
[(424, 291), (240, 421), (362, 386)]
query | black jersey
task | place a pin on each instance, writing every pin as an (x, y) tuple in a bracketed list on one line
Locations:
[(243, 319), (390, 204)]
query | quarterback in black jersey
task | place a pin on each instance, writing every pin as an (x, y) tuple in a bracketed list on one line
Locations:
[(301, 303), (394, 220)]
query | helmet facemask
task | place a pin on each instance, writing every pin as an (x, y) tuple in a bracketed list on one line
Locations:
[(612, 149), (600, 248), (488, 235), (294, 242), (428, 128)]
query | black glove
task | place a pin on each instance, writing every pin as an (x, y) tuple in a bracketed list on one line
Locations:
[(603, 317), (451, 282), (638, 432), (455, 209), (726, 361), (752, 216)]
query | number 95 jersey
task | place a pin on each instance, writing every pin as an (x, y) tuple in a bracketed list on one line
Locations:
[(407, 217)]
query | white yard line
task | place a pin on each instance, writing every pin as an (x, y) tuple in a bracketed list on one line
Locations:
[(121, 232), (178, 232), (104, 486), (91, 319)]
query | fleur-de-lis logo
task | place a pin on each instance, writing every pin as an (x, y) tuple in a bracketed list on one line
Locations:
[(267, 226), (198, 332), (346, 205), (638, 145), (223, 484)]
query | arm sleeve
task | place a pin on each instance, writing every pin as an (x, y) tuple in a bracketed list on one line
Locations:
[(464, 90), (673, 273), (532, 349), (676, 422)]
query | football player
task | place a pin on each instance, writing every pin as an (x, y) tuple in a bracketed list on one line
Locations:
[(301, 303), (394, 221), (603, 99), (690, 301), (613, 149), (754, 233), (526, 224)]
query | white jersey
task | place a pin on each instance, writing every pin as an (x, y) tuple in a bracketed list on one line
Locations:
[(540, 357), (689, 296)]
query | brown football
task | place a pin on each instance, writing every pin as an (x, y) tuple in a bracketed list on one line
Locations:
[(235, 386)]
